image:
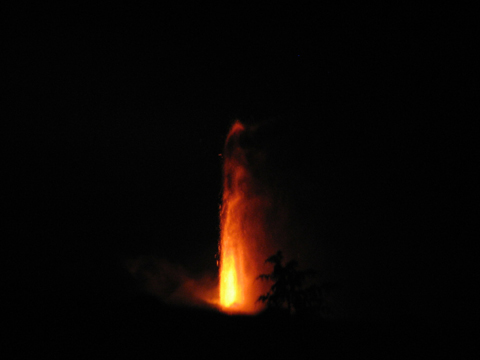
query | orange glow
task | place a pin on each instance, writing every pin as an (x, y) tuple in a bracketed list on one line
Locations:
[(241, 231), (230, 289)]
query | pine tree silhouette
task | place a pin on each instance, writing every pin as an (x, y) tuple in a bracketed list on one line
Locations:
[(287, 290)]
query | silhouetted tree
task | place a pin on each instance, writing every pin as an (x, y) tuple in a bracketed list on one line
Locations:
[(287, 290)]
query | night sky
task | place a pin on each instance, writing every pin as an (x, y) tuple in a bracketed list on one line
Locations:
[(119, 117)]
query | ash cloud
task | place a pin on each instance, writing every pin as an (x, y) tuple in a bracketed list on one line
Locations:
[(172, 283)]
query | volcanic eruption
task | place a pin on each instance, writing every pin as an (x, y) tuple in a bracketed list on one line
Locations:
[(244, 236)]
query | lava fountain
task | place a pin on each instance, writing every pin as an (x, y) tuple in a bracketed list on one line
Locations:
[(243, 237)]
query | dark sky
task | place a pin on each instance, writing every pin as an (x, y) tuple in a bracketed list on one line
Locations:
[(119, 117)]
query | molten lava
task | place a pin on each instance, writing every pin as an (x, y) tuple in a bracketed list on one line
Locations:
[(242, 232), (230, 289)]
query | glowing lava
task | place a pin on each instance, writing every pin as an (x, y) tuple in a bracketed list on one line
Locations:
[(242, 229), (230, 289)]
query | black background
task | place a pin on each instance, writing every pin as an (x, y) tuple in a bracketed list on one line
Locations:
[(118, 116)]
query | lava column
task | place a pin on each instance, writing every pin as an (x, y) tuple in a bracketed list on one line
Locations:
[(241, 227)]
